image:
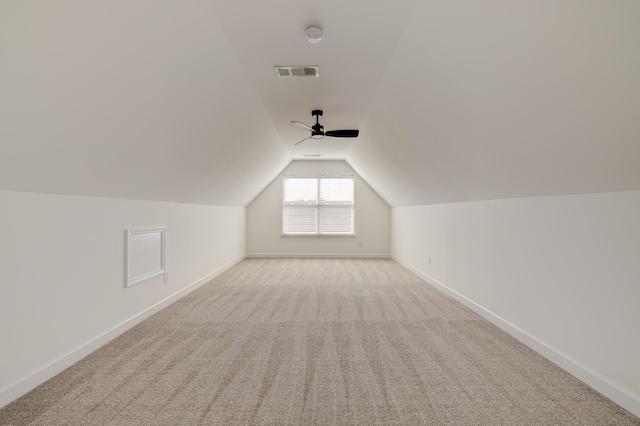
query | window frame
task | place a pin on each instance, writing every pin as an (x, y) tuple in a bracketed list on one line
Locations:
[(318, 204)]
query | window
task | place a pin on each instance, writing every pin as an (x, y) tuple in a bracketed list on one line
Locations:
[(317, 206)]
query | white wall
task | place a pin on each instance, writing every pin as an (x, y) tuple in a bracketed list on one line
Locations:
[(564, 272), (62, 259), (371, 219)]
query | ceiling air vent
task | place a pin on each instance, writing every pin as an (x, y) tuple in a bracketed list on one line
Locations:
[(290, 72)]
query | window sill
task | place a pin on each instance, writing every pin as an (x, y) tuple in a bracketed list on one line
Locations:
[(317, 235)]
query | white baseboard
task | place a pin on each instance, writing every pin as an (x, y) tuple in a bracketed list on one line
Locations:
[(615, 393), (484, 313), (319, 255), (27, 383)]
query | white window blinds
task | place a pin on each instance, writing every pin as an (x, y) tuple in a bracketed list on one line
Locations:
[(313, 206), (301, 190)]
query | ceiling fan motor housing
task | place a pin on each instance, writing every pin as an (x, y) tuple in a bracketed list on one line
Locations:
[(318, 131)]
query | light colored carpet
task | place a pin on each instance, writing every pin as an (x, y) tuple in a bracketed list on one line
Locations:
[(315, 341)]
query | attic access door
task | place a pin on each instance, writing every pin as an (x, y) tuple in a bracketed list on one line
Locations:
[(145, 254)]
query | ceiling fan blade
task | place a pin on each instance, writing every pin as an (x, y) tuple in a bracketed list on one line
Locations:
[(303, 140), (304, 126), (342, 133)]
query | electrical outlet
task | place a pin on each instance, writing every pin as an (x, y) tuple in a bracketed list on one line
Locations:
[(429, 261), (359, 243)]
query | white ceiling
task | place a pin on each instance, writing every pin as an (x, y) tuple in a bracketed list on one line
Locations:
[(359, 40), (455, 100)]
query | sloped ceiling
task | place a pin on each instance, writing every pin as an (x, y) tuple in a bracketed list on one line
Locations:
[(129, 99), (455, 100), (498, 99)]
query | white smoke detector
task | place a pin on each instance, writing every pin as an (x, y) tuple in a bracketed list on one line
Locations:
[(313, 34)]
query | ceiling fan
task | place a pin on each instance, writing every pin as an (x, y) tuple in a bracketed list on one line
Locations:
[(317, 131)]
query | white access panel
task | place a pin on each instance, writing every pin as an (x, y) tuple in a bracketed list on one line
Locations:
[(145, 254)]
